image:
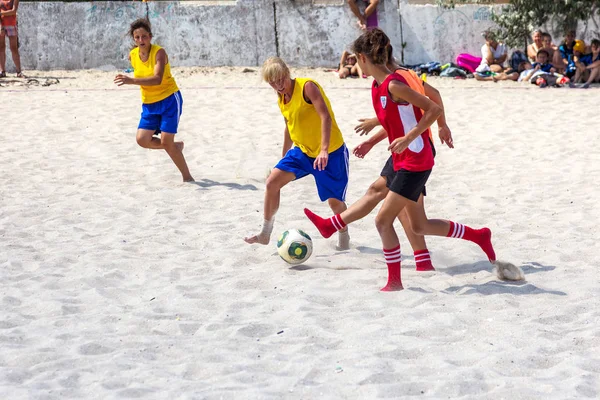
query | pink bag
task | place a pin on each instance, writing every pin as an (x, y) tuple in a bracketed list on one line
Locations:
[(468, 62)]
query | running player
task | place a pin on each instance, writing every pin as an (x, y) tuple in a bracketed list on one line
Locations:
[(379, 189), (319, 148), (161, 100), (406, 116)]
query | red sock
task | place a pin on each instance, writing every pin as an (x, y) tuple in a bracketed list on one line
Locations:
[(392, 259), (423, 260), (483, 237), (328, 226)]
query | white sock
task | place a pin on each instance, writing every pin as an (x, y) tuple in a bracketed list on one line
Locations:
[(267, 228), (344, 239)]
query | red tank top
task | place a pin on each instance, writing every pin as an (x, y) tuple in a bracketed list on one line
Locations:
[(398, 119), (10, 20)]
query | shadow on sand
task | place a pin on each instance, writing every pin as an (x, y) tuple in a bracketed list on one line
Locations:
[(207, 183)]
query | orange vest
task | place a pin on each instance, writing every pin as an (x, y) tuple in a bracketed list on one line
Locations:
[(415, 83)]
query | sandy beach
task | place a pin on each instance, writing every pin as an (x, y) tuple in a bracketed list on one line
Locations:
[(117, 280)]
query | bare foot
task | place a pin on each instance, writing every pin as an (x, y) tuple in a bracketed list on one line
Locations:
[(189, 179), (257, 239)]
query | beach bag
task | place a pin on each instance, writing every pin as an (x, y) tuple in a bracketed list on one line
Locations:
[(468, 62), (453, 72), (517, 58)]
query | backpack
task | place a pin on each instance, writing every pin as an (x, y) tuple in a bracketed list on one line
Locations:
[(517, 58)]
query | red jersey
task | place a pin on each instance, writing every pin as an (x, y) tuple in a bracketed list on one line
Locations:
[(398, 119)]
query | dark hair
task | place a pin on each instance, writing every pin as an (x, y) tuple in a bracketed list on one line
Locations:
[(546, 34), (595, 42), (542, 51), (374, 45), (390, 50), (140, 23)]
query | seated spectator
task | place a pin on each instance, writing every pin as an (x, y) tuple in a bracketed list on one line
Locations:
[(530, 74), (368, 19), (541, 60), (348, 66), (537, 45), (552, 50), (493, 56), (566, 48), (577, 51), (588, 66)]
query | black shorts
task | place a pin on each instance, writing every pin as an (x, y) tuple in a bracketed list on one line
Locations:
[(389, 174), (409, 184)]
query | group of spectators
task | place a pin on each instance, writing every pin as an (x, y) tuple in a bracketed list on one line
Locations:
[(544, 63)]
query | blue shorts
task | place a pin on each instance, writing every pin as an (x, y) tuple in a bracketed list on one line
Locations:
[(332, 182), (162, 115)]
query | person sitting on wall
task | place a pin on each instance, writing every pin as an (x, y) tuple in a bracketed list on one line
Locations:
[(348, 66), (368, 19)]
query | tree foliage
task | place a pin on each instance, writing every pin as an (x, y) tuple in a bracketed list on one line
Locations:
[(520, 17)]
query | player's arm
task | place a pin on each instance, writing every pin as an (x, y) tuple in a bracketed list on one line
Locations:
[(313, 94), (443, 130), (287, 140), (431, 112), (154, 80), (366, 125), (12, 11)]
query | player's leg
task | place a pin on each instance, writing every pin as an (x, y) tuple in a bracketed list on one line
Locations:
[(292, 166), (2, 54), (421, 225), (14, 49), (417, 242), (384, 221), (277, 179), (358, 210), (175, 151)]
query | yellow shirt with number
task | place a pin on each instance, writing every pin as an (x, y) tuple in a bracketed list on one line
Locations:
[(141, 69), (304, 122)]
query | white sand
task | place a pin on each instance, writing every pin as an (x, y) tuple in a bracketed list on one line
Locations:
[(118, 281)]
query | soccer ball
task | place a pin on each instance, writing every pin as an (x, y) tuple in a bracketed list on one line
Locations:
[(294, 246)]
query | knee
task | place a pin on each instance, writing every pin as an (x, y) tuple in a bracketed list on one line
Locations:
[(142, 141), (272, 185), (382, 225), (14, 48), (417, 227), (376, 193)]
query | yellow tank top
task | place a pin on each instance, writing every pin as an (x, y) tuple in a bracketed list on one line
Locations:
[(304, 123), (152, 94)]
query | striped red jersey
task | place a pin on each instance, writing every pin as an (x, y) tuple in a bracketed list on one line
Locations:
[(398, 119)]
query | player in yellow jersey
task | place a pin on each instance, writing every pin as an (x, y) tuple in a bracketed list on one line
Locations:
[(312, 145), (161, 100)]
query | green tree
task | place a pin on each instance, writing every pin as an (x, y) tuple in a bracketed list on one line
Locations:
[(520, 17)]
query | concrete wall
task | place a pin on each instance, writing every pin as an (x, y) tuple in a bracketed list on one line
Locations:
[(433, 33), (57, 35)]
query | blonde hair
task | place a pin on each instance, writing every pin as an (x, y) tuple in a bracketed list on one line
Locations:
[(274, 69)]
